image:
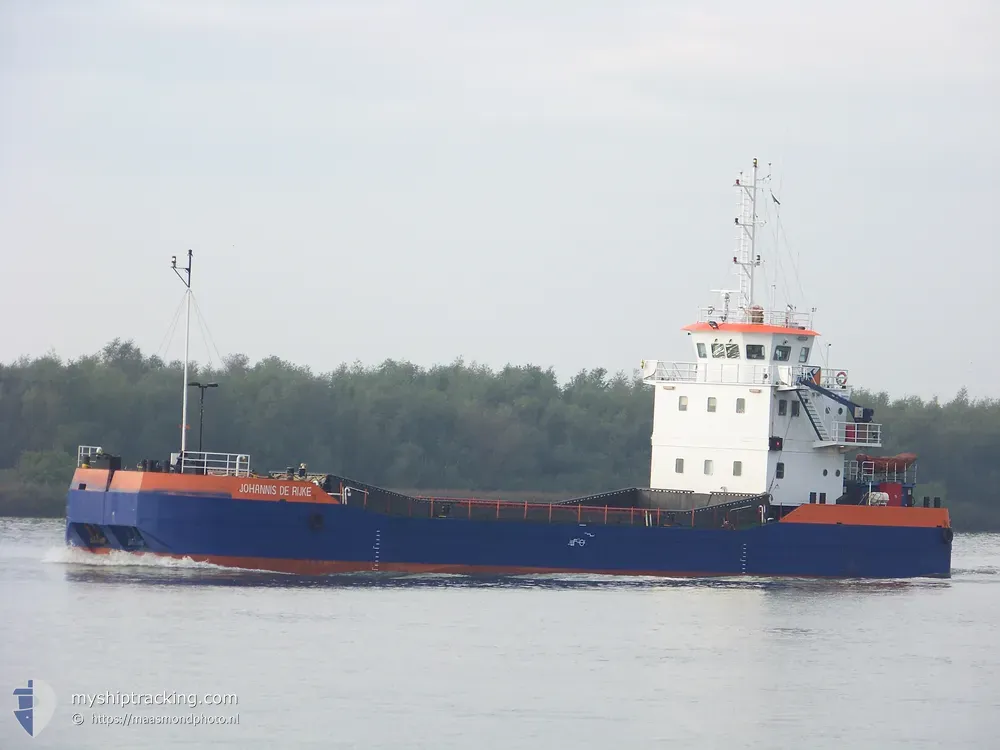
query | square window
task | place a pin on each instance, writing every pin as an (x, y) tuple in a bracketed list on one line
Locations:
[(718, 350), (812, 497), (782, 353), (795, 408), (733, 351), (682, 403), (782, 407), (702, 352), (755, 351), (822, 498), (741, 405), (737, 468), (711, 403), (708, 466), (804, 354), (779, 471), (679, 466)]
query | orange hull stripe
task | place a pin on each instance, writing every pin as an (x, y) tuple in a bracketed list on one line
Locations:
[(325, 567), (865, 515), (751, 328)]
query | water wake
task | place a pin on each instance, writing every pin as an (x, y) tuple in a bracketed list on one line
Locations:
[(65, 555)]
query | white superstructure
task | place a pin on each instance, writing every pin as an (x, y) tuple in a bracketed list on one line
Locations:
[(751, 413)]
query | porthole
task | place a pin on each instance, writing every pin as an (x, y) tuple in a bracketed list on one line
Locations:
[(825, 472)]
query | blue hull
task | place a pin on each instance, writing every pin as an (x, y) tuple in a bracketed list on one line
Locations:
[(320, 537)]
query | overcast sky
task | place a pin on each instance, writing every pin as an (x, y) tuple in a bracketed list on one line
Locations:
[(525, 182)]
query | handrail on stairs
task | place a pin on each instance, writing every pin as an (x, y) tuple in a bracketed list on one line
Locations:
[(810, 409), (859, 412)]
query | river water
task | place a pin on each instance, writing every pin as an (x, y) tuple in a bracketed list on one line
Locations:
[(446, 662)]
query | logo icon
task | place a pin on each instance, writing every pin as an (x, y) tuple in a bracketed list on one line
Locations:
[(35, 706)]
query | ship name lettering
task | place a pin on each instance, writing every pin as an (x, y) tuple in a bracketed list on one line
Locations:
[(258, 489), (304, 489)]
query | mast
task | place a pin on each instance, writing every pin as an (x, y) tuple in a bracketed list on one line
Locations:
[(184, 274), (746, 240), (753, 228)]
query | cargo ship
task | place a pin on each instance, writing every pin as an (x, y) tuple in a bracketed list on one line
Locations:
[(761, 464)]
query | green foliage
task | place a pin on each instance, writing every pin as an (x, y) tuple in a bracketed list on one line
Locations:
[(37, 486), (45, 467), (18, 498), (460, 426)]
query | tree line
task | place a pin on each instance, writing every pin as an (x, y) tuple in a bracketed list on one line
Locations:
[(457, 426)]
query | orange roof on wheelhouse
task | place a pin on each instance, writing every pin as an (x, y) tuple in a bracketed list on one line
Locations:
[(751, 328)]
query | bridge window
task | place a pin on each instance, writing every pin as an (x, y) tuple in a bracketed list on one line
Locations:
[(711, 403), (782, 407), (755, 351), (795, 408), (741, 405), (702, 352), (718, 350), (679, 466), (708, 466), (732, 351), (682, 403), (779, 471), (737, 468), (804, 354), (782, 353)]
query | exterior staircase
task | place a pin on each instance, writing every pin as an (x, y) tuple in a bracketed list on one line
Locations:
[(815, 418), (839, 433)]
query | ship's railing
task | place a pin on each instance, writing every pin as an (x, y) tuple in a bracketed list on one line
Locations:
[(214, 464), (348, 493), (721, 371), (857, 433), (831, 378), (86, 453), (672, 372), (785, 318), (746, 512), (866, 472)]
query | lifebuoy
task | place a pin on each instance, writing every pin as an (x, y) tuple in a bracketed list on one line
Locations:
[(947, 534), (841, 378)]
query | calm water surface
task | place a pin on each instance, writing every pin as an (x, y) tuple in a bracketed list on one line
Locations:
[(546, 662)]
